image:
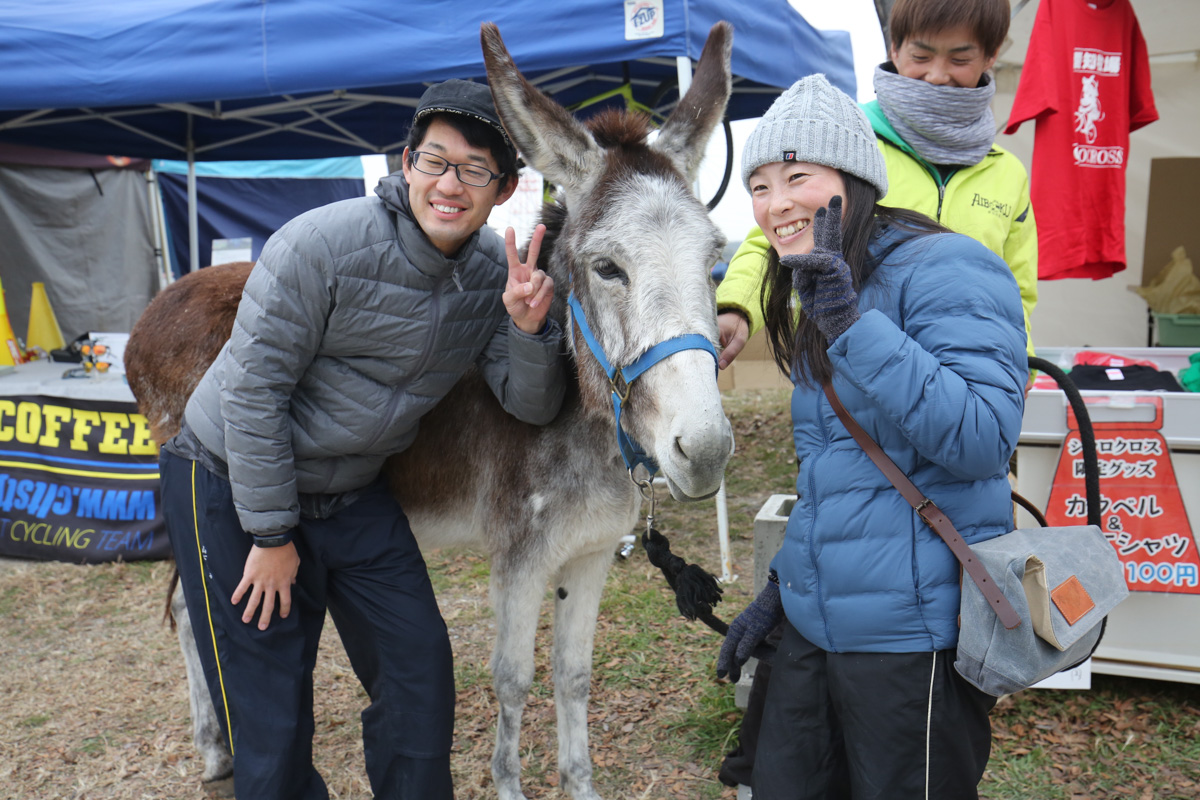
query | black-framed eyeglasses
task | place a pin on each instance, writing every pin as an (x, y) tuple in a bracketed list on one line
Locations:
[(470, 174)]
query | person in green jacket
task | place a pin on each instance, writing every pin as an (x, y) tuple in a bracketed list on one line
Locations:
[(933, 123)]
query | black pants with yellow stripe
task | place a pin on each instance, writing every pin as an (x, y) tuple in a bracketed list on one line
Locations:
[(363, 565)]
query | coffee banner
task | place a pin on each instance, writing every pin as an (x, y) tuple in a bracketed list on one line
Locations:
[(78, 482)]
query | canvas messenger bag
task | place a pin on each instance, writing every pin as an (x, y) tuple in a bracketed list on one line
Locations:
[(1037, 598)]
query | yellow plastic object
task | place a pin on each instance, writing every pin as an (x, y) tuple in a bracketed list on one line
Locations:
[(10, 351), (43, 325)]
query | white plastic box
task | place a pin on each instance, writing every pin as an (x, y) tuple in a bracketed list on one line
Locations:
[(1150, 635)]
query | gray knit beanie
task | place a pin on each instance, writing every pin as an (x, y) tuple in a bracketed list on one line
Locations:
[(816, 122)]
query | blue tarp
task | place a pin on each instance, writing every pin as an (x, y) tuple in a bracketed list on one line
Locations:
[(248, 199), (264, 79)]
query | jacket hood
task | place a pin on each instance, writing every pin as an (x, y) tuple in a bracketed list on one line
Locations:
[(393, 191), (882, 127)]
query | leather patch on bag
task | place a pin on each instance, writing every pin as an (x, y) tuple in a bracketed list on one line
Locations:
[(1072, 599)]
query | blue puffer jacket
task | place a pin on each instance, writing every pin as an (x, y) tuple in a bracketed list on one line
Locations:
[(933, 371)]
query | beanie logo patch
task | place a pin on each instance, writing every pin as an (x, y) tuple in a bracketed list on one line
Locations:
[(789, 155)]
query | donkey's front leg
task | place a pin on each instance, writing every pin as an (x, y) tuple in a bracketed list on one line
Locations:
[(576, 605), (206, 730), (516, 591)]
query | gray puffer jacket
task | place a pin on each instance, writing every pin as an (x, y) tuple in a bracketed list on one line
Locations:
[(352, 326)]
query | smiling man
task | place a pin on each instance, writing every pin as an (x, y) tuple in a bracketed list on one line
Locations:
[(355, 322)]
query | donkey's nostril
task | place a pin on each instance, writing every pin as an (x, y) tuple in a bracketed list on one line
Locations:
[(685, 449), (704, 444)]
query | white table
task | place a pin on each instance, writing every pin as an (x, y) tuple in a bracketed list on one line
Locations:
[(46, 378), (1156, 632)]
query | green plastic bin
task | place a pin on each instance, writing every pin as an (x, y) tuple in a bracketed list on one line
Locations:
[(1178, 330)]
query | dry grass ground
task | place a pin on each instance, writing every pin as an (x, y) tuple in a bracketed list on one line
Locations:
[(93, 702)]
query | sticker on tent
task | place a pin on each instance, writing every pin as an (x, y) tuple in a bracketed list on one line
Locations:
[(643, 19)]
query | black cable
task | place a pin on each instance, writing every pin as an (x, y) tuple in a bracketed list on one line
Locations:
[(1087, 435)]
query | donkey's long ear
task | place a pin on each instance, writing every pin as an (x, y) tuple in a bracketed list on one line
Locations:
[(686, 133), (549, 138)]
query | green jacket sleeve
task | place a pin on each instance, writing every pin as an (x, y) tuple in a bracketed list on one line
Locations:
[(741, 289), (1021, 253)]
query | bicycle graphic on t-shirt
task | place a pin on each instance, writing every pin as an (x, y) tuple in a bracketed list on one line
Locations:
[(1088, 113)]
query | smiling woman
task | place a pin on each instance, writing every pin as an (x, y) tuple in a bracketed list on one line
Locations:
[(786, 196), (866, 602)]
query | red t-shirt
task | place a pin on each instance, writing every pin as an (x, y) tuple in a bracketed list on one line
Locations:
[(1086, 80)]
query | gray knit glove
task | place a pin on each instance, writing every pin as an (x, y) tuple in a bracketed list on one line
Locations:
[(822, 277), (749, 630)]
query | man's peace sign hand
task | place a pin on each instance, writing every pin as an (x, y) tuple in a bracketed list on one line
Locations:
[(530, 290)]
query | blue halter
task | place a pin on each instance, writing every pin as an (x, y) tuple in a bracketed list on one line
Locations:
[(620, 378)]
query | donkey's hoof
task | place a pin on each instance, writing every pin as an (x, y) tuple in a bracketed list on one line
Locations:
[(220, 788)]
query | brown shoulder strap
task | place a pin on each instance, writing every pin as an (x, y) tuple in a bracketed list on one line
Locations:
[(929, 512)]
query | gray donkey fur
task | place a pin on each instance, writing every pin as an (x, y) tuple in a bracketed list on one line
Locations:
[(548, 504)]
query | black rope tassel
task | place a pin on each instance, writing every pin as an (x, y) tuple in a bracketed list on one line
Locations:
[(696, 591)]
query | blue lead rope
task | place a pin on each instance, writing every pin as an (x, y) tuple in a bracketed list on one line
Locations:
[(621, 378)]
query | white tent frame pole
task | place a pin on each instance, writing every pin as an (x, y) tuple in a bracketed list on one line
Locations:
[(683, 67), (161, 258), (193, 220)]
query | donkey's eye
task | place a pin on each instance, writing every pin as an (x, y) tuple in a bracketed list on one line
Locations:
[(611, 272)]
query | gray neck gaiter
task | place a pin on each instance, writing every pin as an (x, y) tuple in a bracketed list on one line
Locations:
[(944, 124)]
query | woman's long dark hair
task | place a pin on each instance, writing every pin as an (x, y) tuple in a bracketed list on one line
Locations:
[(797, 345)]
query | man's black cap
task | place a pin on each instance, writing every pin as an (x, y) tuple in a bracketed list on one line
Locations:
[(461, 97)]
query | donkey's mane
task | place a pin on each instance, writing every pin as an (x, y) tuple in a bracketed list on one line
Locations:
[(612, 127), (554, 217)]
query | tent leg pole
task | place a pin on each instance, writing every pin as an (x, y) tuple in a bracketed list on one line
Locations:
[(727, 575), (156, 221), (683, 67), (193, 222)]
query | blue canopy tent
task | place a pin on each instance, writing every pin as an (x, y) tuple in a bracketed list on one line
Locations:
[(264, 79)]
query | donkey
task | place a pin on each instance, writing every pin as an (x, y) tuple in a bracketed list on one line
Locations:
[(549, 504)]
